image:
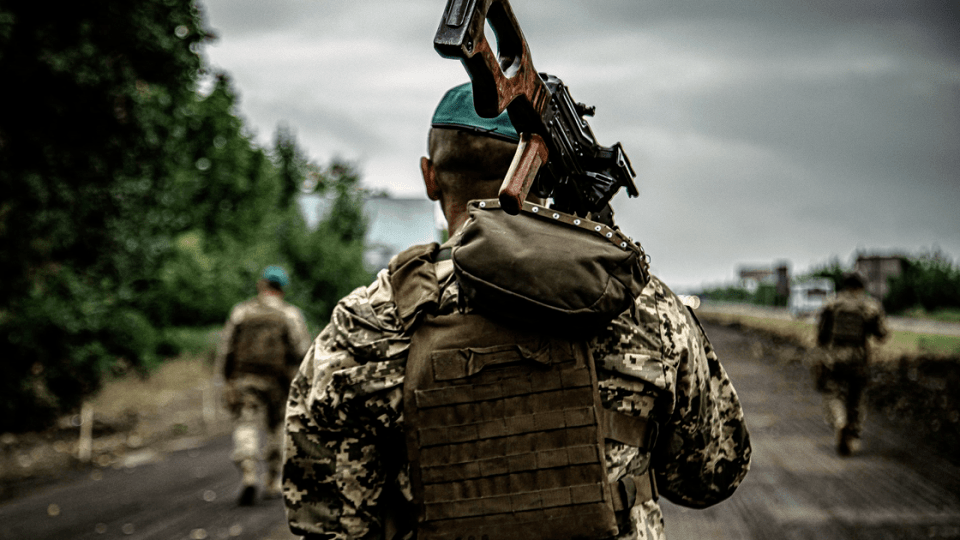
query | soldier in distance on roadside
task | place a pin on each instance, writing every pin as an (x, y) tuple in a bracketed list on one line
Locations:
[(844, 327), (261, 346), (420, 412)]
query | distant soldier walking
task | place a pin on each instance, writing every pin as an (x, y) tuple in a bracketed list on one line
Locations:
[(262, 344), (844, 327)]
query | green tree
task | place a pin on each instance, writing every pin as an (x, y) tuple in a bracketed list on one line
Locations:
[(930, 281), (292, 164), (345, 219), (329, 260), (727, 293), (131, 203), (89, 131), (222, 198), (831, 270)]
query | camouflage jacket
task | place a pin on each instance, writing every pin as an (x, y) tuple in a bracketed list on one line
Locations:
[(296, 325), (344, 415)]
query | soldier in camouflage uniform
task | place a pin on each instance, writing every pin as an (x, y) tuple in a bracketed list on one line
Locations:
[(344, 470), (844, 327), (261, 345)]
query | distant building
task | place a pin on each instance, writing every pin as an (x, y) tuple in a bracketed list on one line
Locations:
[(393, 224), (751, 277), (877, 271)]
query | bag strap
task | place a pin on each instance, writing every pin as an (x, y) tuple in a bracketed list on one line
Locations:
[(413, 277)]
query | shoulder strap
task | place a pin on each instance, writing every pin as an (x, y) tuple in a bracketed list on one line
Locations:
[(413, 277)]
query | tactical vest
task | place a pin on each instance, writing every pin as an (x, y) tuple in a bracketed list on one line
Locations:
[(505, 430), (848, 327), (261, 344)]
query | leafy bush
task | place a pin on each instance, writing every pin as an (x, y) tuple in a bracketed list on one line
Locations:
[(831, 270), (765, 295), (64, 337), (139, 205), (930, 281), (187, 340), (726, 294)]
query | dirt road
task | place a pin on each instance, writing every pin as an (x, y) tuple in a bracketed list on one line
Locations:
[(797, 488)]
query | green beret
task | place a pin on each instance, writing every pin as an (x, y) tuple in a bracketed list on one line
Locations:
[(456, 111), (276, 275)]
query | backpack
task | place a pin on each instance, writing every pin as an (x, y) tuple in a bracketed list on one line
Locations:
[(504, 426), (261, 344), (848, 327)]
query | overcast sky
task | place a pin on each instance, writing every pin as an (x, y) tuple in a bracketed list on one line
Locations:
[(760, 130)]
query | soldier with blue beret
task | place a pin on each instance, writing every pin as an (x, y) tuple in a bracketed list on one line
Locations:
[(263, 341)]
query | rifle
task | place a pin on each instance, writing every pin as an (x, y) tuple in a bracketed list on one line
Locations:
[(558, 156)]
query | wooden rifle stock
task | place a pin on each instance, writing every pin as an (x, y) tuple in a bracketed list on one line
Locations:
[(531, 154), (501, 80), (578, 174)]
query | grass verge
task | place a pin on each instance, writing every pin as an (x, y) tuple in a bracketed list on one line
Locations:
[(174, 400), (802, 332)]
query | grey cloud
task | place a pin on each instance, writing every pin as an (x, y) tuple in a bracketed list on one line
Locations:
[(760, 129)]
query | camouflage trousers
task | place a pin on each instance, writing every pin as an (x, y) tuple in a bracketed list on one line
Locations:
[(845, 382), (257, 405)]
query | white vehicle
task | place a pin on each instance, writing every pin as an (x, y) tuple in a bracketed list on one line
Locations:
[(809, 295)]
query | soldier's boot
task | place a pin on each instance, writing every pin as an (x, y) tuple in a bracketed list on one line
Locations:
[(248, 482), (848, 442), (842, 447), (838, 413), (853, 443), (853, 440)]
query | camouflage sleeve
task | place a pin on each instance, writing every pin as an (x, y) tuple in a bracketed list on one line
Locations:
[(341, 404), (704, 450), (632, 378), (226, 340), (299, 333), (879, 323), (658, 362)]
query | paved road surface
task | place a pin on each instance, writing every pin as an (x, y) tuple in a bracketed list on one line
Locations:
[(797, 489)]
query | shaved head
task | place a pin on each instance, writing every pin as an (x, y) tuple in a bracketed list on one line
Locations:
[(469, 166)]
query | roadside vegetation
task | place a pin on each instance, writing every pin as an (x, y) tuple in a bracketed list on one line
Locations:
[(928, 288), (801, 332), (137, 207)]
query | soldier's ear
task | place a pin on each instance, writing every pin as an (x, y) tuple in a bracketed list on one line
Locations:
[(430, 179)]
